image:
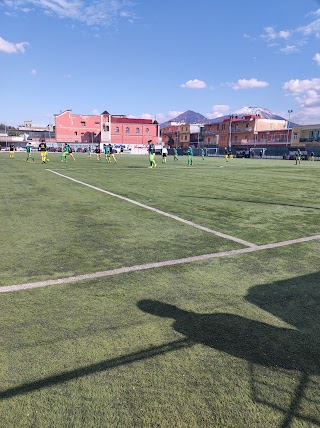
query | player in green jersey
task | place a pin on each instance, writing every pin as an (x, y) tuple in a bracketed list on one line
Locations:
[(28, 150), (152, 154), (190, 156), (65, 153)]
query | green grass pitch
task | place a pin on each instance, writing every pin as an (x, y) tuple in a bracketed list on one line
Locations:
[(216, 341)]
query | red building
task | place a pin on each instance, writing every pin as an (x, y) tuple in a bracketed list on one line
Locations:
[(104, 129)]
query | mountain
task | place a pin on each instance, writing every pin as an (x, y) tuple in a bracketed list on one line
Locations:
[(263, 112), (189, 117), (192, 117)]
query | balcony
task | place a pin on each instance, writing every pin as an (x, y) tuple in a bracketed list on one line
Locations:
[(205, 133), (238, 130)]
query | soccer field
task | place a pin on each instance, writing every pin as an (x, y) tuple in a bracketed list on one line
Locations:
[(169, 297)]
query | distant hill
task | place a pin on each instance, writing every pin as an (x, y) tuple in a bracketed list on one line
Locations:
[(189, 117), (192, 117)]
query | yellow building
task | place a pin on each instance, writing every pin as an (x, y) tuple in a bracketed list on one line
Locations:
[(306, 135)]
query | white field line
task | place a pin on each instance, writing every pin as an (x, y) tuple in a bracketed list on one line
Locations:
[(103, 274), (174, 217)]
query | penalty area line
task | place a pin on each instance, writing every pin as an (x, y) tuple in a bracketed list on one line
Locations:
[(136, 268), (163, 213)]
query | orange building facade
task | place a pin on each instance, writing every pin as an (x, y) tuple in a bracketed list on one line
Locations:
[(104, 129), (243, 130)]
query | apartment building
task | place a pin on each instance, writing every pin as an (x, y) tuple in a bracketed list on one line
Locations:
[(246, 129), (306, 135), (178, 134), (104, 129)]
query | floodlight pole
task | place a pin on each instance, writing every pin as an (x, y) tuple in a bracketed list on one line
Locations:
[(230, 125), (289, 112)]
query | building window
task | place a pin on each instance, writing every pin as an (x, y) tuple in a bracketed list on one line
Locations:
[(83, 123), (295, 136), (117, 130), (127, 130), (75, 133), (97, 123), (147, 130), (137, 130)]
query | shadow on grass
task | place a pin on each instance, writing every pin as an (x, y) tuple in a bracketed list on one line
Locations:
[(296, 348), (255, 201), (297, 302), (94, 368)]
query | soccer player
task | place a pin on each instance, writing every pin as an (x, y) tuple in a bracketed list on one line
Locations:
[(106, 152), (97, 151), (190, 156), (203, 152), (164, 152), (226, 155), (298, 157), (121, 151), (71, 153), (111, 154), (28, 150), (65, 152), (152, 154), (11, 151), (175, 154), (43, 151), (312, 156)]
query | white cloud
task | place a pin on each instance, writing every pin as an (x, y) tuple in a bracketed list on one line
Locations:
[(248, 84), (33, 72), (306, 94), (288, 49), (164, 117), (217, 110), (311, 29), (271, 34), (317, 58), (159, 117), (194, 84), (94, 12), (9, 47), (298, 36), (296, 86)]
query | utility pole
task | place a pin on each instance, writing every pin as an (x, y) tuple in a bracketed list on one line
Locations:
[(289, 112), (230, 129)]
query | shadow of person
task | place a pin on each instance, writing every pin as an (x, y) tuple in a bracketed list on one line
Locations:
[(296, 301), (251, 340)]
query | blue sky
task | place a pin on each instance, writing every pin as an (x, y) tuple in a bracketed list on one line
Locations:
[(149, 58)]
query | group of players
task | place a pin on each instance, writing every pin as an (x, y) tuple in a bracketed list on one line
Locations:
[(164, 153), (107, 150), (42, 148)]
